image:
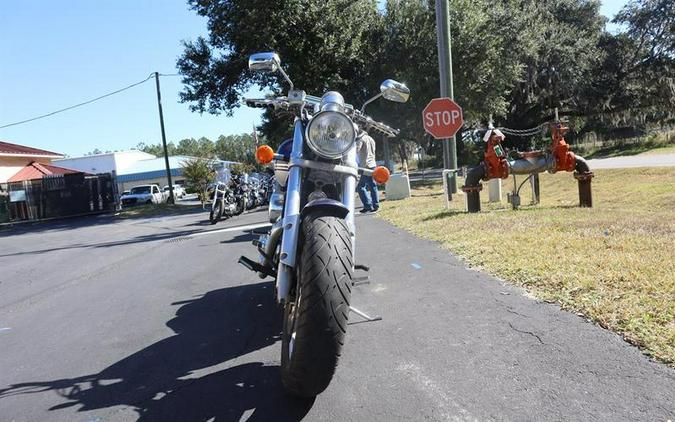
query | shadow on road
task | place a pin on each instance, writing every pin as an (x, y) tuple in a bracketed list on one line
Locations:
[(162, 381), (164, 236), (82, 221), (244, 237)]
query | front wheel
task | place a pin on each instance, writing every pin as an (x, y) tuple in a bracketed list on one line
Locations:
[(241, 205), (216, 212), (315, 319)]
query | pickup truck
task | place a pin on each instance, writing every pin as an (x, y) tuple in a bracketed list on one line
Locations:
[(143, 194), (178, 191)]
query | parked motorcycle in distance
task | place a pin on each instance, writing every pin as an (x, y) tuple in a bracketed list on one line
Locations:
[(240, 191), (223, 204), (310, 247)]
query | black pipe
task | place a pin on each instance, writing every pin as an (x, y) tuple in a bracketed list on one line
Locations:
[(584, 177), (581, 165), (472, 187), (474, 175)]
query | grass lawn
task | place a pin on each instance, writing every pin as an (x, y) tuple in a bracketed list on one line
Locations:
[(664, 149), (615, 263), (645, 148)]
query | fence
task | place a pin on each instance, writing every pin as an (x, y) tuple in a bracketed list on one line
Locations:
[(59, 195), (592, 140)]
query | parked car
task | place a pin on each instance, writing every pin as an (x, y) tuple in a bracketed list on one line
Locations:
[(178, 191), (143, 194)]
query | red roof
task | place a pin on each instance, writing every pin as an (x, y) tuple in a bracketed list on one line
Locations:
[(8, 148), (37, 171)]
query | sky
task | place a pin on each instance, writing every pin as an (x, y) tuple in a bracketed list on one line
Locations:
[(56, 53)]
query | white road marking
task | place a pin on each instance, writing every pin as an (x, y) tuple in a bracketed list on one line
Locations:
[(5, 328), (416, 266), (227, 229)]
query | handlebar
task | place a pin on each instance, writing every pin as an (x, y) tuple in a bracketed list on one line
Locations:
[(358, 117)]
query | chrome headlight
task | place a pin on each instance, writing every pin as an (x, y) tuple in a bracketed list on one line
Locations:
[(330, 134)]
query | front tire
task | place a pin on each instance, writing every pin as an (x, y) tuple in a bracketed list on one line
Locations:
[(315, 319), (241, 205), (216, 212)]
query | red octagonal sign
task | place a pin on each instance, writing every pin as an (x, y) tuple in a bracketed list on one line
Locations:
[(442, 118)]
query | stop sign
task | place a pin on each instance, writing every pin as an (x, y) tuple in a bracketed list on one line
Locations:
[(442, 118)]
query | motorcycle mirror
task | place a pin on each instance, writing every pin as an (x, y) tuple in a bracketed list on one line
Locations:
[(264, 62), (268, 62), (394, 91)]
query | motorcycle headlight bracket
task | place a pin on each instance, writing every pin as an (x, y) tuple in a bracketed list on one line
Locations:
[(330, 134)]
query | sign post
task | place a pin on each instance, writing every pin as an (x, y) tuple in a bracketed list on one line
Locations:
[(444, 41)]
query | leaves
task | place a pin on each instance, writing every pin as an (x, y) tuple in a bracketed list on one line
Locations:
[(516, 60), (198, 173)]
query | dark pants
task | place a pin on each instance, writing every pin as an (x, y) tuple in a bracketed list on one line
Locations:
[(367, 190)]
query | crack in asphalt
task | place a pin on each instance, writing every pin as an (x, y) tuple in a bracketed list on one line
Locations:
[(510, 310), (526, 332)]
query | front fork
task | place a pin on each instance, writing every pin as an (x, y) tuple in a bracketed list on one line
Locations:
[(291, 220)]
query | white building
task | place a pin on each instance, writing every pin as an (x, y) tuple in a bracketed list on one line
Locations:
[(105, 163), (134, 168), (147, 172)]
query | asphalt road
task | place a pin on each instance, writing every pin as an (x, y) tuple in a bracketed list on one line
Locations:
[(151, 319), (648, 160)]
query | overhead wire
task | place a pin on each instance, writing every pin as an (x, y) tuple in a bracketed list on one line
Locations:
[(88, 101)]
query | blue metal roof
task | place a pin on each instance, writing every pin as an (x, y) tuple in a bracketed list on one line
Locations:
[(148, 175), (155, 168)]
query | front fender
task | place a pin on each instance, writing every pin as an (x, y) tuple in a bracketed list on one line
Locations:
[(333, 207)]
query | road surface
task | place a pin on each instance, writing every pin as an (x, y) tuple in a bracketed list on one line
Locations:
[(151, 319)]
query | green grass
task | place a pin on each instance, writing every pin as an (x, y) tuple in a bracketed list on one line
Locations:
[(655, 144), (614, 263), (663, 149)]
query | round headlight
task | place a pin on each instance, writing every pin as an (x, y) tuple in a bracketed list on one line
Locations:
[(330, 134)]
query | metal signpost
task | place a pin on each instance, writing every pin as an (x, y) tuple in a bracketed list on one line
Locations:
[(445, 70)]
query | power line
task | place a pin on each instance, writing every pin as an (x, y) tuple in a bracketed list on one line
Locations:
[(87, 102)]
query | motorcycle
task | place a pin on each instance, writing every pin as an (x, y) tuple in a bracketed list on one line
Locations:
[(226, 202), (253, 194), (309, 249), (240, 192)]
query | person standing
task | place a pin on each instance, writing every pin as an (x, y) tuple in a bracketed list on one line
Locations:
[(367, 188)]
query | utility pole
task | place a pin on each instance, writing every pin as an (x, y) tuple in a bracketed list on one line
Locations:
[(166, 154), (445, 70)]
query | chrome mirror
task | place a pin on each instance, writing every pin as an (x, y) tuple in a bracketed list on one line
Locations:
[(264, 62), (268, 63), (394, 91)]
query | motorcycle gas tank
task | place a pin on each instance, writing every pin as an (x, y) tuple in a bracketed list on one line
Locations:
[(281, 168)]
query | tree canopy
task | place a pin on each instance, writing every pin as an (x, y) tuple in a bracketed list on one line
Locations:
[(239, 148), (514, 60)]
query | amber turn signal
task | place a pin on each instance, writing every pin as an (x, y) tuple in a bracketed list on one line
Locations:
[(381, 175), (264, 154)]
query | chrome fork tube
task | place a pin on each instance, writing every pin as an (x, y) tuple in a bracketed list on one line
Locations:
[(348, 190), (289, 240)]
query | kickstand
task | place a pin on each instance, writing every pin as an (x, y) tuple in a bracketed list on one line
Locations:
[(357, 281), (365, 316)]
